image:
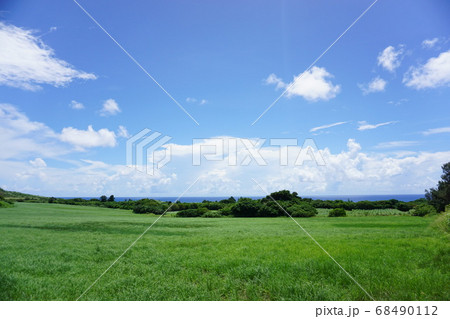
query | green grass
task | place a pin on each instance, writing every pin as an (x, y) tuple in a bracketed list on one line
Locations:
[(54, 252)]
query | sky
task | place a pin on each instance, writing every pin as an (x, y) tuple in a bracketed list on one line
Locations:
[(369, 95)]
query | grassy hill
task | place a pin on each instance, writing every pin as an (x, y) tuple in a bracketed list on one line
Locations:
[(21, 197)]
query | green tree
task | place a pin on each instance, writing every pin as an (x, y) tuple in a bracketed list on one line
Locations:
[(111, 198), (103, 198), (440, 196)]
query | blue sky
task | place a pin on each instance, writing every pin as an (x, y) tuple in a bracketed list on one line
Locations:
[(376, 104)]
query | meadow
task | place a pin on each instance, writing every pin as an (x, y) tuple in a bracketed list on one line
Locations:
[(54, 252)]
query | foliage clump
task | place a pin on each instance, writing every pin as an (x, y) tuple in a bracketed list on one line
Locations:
[(150, 206), (337, 212), (212, 215), (302, 210), (195, 212), (422, 210), (439, 197)]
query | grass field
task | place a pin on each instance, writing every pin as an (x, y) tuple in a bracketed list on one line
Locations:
[(54, 252)]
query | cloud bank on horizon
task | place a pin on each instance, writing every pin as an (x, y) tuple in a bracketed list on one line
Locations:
[(70, 98)]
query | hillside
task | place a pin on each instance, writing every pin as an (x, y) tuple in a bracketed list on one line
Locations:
[(17, 196)]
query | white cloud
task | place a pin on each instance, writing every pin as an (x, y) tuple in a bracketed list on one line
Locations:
[(196, 101), (273, 79), (434, 73), (399, 102), (396, 144), (122, 132), (349, 171), (87, 178), (326, 126), (110, 107), (38, 162), (363, 125), (312, 85), (82, 139), (437, 130), (429, 43), (76, 105), (26, 62), (376, 85), (21, 138), (390, 58)]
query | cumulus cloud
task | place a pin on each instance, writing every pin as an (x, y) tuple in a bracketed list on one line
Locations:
[(38, 162), (326, 126), (438, 130), (26, 62), (82, 139), (110, 107), (85, 178), (390, 58), (376, 85), (429, 43), (363, 125), (21, 137), (273, 79), (434, 73), (76, 105), (348, 171), (312, 85)]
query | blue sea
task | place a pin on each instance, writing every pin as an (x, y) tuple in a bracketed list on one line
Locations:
[(354, 198)]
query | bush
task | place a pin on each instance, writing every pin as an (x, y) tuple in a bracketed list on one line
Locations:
[(149, 209), (365, 204), (422, 210), (226, 211), (195, 212), (302, 210), (212, 215), (4, 204), (337, 212), (404, 207), (212, 205), (247, 207)]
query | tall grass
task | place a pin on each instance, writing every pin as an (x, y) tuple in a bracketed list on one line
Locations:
[(54, 252)]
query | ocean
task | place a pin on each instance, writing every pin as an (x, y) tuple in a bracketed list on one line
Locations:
[(354, 198)]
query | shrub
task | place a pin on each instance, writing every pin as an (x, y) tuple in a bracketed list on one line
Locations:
[(226, 211), (149, 209), (194, 212), (422, 210), (302, 210), (212, 214), (337, 212), (247, 207), (212, 205), (365, 204), (404, 207), (4, 204)]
